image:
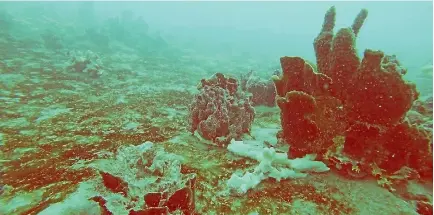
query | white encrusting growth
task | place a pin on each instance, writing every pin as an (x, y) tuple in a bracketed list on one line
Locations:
[(271, 164)]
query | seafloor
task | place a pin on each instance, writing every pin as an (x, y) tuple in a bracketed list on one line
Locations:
[(53, 120), (58, 129)]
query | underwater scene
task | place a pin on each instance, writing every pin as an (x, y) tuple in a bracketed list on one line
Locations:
[(216, 108)]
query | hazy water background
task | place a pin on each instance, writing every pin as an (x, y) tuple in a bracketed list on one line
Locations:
[(263, 31)]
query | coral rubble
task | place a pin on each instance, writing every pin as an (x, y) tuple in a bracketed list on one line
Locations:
[(88, 63), (142, 180)]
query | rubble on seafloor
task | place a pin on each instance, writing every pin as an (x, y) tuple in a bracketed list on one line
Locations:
[(88, 63), (142, 179)]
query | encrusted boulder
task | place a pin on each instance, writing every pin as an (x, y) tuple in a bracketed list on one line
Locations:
[(220, 111)]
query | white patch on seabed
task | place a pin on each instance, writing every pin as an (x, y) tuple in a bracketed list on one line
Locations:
[(271, 164), (21, 201), (76, 203)]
